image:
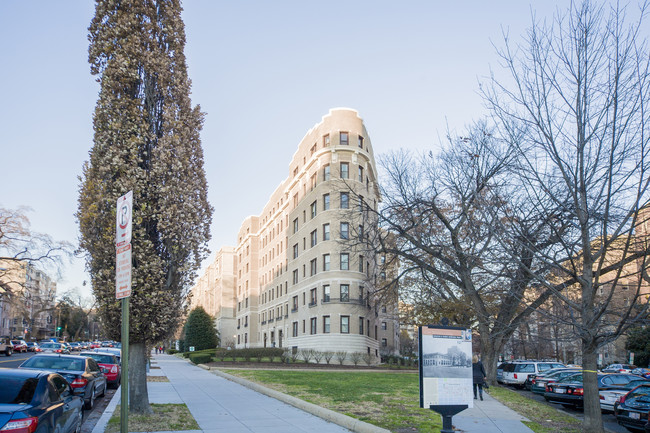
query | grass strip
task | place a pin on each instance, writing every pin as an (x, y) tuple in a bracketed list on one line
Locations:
[(390, 401), (165, 417), (543, 418), (157, 379)]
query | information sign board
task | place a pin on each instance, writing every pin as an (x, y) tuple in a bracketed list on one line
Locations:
[(445, 366)]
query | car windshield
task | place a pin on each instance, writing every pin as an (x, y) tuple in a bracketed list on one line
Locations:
[(17, 390), (54, 363), (103, 359), (572, 378)]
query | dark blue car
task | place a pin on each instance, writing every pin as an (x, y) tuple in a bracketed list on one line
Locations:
[(84, 375), (32, 400)]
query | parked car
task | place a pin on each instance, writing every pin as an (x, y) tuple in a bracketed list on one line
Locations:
[(645, 372), (95, 345), (75, 346), (43, 399), (84, 375), (110, 365), (516, 372), (538, 382), (19, 346), (618, 368), (51, 347), (32, 346), (609, 396), (569, 391), (5, 346), (632, 409), (111, 350)]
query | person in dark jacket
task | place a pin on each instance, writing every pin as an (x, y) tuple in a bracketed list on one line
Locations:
[(478, 374)]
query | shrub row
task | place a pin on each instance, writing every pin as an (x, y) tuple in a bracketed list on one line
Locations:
[(271, 353), (200, 357)]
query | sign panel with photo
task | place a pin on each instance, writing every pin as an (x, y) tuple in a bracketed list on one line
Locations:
[(445, 366)]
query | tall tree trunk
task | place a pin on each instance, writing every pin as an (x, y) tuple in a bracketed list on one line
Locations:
[(593, 421), (138, 394)]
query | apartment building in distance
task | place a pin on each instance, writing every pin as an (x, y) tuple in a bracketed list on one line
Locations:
[(305, 276), (27, 301)]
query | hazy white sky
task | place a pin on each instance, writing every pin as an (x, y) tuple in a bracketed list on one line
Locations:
[(264, 72)]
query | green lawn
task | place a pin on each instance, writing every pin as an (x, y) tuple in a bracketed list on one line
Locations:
[(391, 400), (388, 400)]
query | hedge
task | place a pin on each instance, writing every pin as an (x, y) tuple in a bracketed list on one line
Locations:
[(200, 358)]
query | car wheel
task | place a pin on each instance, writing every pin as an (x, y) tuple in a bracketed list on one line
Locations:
[(91, 401), (8, 351)]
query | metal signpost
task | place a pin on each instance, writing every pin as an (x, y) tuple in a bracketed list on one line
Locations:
[(445, 371), (123, 291)]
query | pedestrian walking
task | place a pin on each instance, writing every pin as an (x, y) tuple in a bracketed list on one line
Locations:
[(478, 376), (156, 350)]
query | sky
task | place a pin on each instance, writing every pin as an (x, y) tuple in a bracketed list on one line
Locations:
[(264, 72)]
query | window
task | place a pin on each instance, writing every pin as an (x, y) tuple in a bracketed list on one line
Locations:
[(345, 292), (361, 142), (361, 203), (312, 327), (360, 325), (312, 268), (361, 174), (384, 342), (295, 276), (383, 326), (360, 232), (345, 324), (326, 201), (343, 138), (295, 226), (313, 208), (326, 293), (360, 263), (295, 251), (326, 324), (345, 170), (326, 232), (345, 230), (345, 200), (326, 140), (345, 261), (313, 300), (326, 172), (295, 304), (313, 236), (326, 262), (295, 329)]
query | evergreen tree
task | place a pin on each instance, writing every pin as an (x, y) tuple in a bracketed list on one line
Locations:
[(146, 139), (200, 332)]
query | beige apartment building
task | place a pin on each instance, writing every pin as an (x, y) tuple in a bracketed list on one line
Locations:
[(27, 301), (305, 276)]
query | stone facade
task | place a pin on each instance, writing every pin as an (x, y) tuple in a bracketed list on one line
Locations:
[(305, 275)]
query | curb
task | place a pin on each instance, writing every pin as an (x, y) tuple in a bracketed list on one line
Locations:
[(108, 412), (348, 422)]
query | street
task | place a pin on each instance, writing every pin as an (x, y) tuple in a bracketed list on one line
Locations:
[(90, 416)]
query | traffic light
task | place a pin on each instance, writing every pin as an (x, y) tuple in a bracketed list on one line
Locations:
[(58, 328)]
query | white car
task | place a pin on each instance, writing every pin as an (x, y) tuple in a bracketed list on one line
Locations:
[(516, 372), (609, 396)]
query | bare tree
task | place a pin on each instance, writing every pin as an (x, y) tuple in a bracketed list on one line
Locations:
[(21, 252), (435, 222), (574, 109)]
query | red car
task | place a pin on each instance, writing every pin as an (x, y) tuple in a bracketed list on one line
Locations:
[(109, 365), (19, 346)]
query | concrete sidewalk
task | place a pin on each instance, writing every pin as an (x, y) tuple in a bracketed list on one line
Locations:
[(490, 416), (225, 404)]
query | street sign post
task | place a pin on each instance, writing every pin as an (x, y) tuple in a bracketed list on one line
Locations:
[(123, 218)]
